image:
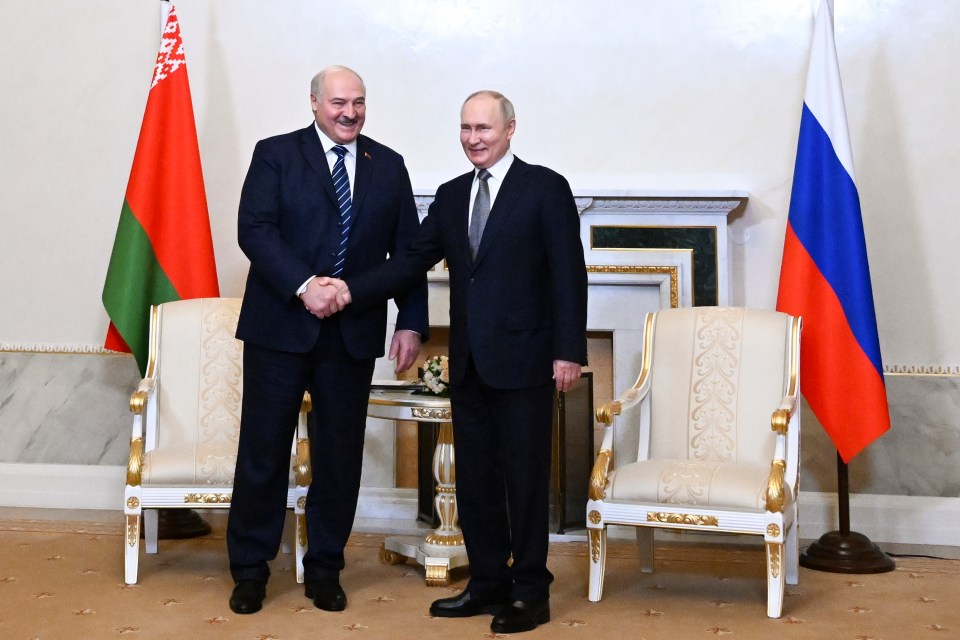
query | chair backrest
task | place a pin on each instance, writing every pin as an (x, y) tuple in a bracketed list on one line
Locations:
[(717, 375), (199, 375)]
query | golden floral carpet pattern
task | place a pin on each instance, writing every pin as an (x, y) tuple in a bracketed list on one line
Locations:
[(65, 580)]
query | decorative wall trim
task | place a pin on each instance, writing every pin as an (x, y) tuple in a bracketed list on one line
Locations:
[(921, 370), (698, 205), (72, 349)]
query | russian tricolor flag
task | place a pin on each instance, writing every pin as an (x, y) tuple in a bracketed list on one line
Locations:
[(825, 276)]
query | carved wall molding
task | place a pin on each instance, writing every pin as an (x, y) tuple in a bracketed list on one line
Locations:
[(921, 370), (641, 204), (72, 349)]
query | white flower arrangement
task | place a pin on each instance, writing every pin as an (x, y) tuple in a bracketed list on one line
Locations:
[(436, 376)]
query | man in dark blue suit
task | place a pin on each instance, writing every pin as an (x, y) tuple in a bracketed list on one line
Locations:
[(320, 201), (510, 234)]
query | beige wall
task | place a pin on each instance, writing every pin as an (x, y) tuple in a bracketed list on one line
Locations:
[(640, 94)]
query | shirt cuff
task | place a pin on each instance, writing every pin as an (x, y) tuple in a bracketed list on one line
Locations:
[(303, 287)]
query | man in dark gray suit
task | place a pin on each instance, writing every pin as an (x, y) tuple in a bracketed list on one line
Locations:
[(510, 234), (320, 201)]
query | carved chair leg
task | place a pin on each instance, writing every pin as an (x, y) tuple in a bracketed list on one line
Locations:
[(775, 579), (598, 562), (301, 534), (131, 555)]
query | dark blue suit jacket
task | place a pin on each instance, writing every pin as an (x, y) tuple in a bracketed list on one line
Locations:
[(523, 302), (288, 228)]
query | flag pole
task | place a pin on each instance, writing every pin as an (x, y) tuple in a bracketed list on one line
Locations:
[(845, 551)]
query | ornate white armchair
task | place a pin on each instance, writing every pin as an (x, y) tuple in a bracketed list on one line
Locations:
[(708, 439), (186, 421)]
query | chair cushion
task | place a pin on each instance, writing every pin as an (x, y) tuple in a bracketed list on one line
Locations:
[(193, 465), (702, 484)]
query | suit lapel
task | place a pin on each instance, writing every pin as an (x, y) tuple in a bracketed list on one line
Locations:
[(461, 197), (313, 152), (363, 176), (513, 185)]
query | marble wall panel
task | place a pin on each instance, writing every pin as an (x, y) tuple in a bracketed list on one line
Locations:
[(918, 456), (65, 408)]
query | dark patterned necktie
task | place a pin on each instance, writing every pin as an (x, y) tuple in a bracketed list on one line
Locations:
[(481, 211), (341, 184)]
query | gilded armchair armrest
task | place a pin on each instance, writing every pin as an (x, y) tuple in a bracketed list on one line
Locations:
[(629, 398), (138, 399), (780, 419), (606, 412), (640, 388), (598, 476), (601, 467), (301, 469), (138, 406), (779, 423), (135, 463), (775, 494)]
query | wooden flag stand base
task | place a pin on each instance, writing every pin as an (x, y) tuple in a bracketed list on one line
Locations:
[(845, 551)]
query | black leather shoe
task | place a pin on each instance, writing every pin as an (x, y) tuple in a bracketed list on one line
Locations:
[(326, 594), (465, 605), (247, 596), (521, 616)]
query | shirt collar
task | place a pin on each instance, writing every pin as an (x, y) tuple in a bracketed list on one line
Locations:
[(499, 170), (328, 144)]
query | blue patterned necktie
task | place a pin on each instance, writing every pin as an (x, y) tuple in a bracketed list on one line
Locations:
[(341, 184), (481, 211)]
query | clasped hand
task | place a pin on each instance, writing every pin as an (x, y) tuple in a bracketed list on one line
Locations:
[(326, 296)]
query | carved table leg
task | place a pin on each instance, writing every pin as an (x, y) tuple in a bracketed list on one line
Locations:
[(448, 533)]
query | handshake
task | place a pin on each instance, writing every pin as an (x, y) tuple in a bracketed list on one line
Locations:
[(325, 296)]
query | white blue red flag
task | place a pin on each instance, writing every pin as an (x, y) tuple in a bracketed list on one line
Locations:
[(825, 276)]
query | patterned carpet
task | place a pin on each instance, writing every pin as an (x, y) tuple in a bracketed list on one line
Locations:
[(65, 580)]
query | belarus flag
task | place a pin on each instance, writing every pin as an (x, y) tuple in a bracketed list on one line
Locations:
[(163, 250), (825, 276)]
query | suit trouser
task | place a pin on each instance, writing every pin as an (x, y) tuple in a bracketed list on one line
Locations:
[(274, 383), (502, 440)]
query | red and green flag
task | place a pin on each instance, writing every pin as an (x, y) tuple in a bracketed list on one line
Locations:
[(163, 250)]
